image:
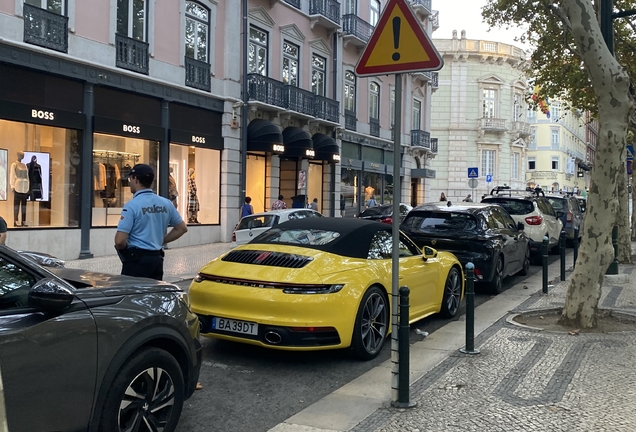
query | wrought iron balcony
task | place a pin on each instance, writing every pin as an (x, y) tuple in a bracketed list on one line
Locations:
[(435, 20), (197, 74), (435, 79), (44, 28), (434, 145), (300, 100), (420, 138), (267, 90), (374, 125), (325, 12), (422, 6), (132, 54), (294, 3), (351, 121), (493, 124), (327, 109), (356, 30)]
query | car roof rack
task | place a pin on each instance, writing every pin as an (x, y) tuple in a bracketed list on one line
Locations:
[(506, 190)]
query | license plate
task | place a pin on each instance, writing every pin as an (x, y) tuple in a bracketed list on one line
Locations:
[(234, 326)]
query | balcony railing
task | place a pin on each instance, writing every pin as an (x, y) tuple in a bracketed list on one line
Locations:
[(522, 127), (355, 26), (197, 74), (351, 121), (435, 20), (434, 145), (492, 124), (46, 29), (330, 9), (294, 3), (435, 79), (326, 109), (132, 54), (422, 4), (300, 100), (276, 93), (420, 138), (374, 125)]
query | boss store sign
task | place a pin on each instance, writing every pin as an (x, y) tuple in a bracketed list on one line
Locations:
[(39, 115), (196, 139), (128, 129)]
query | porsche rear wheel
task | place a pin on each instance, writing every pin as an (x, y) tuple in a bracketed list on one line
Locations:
[(452, 294), (372, 324), (496, 285)]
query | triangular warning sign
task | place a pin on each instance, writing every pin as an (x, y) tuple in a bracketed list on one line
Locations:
[(472, 174), (398, 44)]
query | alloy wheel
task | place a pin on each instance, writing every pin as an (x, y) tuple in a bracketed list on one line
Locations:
[(453, 291), (147, 403), (374, 322)]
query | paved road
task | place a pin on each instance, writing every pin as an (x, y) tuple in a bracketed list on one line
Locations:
[(251, 389)]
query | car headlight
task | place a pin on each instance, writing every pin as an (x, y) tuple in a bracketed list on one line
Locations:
[(313, 289)]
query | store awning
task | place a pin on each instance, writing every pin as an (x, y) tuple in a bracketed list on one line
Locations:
[(263, 135), (298, 143), (584, 166), (326, 148)]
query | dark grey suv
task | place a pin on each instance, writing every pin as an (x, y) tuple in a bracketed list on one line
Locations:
[(83, 351)]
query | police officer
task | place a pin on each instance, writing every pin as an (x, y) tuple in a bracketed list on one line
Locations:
[(141, 231)]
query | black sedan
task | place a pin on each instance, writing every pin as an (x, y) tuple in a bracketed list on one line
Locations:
[(483, 234), (93, 352), (384, 213)]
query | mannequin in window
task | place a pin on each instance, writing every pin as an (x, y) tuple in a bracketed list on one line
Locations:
[(173, 193), (19, 181), (35, 179), (193, 201)]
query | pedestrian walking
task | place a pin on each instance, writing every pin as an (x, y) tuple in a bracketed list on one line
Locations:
[(314, 204), (141, 232), (442, 197), (246, 208), (343, 205), (279, 204), (468, 198)]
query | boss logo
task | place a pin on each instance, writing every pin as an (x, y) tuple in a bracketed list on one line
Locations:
[(336, 158), (278, 148), (310, 153), (44, 115), (198, 139), (132, 129)]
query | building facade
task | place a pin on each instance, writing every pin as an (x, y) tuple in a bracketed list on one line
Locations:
[(479, 117), (558, 154), (97, 86)]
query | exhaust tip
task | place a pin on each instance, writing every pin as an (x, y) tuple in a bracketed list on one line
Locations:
[(273, 337)]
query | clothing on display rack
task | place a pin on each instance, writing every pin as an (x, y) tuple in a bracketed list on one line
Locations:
[(110, 175), (19, 181), (193, 200), (35, 179), (173, 193)]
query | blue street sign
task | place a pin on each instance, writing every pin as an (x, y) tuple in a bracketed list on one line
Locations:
[(630, 152), (473, 172), (488, 178)]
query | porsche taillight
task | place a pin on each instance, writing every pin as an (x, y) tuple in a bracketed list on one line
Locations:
[(388, 220)]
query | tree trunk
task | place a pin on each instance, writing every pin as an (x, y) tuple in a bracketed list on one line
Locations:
[(611, 86), (624, 227)]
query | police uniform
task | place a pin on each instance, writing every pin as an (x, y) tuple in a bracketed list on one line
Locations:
[(145, 219)]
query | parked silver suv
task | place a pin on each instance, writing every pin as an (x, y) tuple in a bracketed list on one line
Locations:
[(532, 208), (572, 217)]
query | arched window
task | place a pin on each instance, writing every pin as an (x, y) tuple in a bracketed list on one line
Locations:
[(349, 91), (131, 18), (374, 101), (197, 31)]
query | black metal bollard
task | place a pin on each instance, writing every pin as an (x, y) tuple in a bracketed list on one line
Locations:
[(470, 311), (613, 268), (576, 246), (544, 249), (562, 250), (403, 351)]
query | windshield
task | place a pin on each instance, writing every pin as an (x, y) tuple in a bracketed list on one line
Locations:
[(257, 221), (557, 203), (377, 211), (514, 206), (313, 237), (432, 221)]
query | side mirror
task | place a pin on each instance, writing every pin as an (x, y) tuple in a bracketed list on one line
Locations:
[(429, 252), (520, 226), (50, 295)]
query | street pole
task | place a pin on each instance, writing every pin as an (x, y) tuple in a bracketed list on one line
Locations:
[(395, 268)]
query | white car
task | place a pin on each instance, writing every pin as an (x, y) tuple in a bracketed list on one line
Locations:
[(252, 225)]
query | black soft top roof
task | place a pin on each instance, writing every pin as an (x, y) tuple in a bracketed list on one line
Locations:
[(355, 234)]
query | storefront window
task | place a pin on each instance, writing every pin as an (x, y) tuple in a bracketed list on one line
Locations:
[(314, 184), (371, 187), (39, 175), (255, 182), (349, 179), (194, 183), (113, 157)]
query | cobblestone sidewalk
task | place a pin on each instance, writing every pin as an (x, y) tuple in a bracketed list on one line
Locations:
[(529, 380)]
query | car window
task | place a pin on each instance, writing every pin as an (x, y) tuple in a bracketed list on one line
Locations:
[(257, 221), (513, 206), (507, 219), (382, 246), (313, 237), (15, 284), (557, 203), (574, 203), (373, 211), (432, 221), (315, 214), (496, 215), (545, 207)]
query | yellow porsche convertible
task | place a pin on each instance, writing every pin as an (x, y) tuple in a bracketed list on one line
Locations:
[(321, 283)]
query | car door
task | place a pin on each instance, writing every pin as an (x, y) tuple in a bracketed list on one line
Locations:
[(516, 253), (553, 223), (47, 360)]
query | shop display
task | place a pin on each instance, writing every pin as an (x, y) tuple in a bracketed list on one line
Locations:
[(110, 176), (173, 192), (193, 200), (3, 174), (19, 181)]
